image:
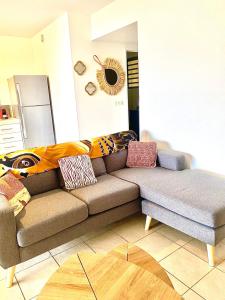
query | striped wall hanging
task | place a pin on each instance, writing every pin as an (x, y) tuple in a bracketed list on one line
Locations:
[(132, 72)]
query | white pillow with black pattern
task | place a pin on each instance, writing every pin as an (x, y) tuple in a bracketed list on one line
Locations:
[(77, 171)]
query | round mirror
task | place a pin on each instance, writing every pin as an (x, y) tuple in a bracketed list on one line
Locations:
[(111, 77)]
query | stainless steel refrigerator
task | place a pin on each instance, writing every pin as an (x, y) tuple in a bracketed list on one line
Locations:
[(31, 94)]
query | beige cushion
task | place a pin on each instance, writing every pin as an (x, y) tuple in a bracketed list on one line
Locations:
[(107, 193), (143, 176), (98, 166), (47, 214), (60, 177), (115, 161), (41, 183)]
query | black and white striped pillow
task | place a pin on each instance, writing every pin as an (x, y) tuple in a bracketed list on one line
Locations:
[(77, 171)]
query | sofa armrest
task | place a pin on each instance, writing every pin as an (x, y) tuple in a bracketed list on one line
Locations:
[(173, 160), (9, 250)]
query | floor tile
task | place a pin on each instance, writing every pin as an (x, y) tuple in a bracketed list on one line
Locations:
[(157, 245), (223, 241), (34, 278), (2, 273), (185, 266), (221, 266), (174, 235), (190, 295), (178, 285), (199, 248), (65, 246), (133, 228), (13, 293), (33, 261), (212, 286), (220, 251), (63, 256), (105, 242), (95, 233)]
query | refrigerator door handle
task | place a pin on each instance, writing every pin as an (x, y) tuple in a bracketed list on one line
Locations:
[(21, 111)]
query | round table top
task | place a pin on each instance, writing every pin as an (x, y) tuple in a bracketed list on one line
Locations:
[(127, 272)]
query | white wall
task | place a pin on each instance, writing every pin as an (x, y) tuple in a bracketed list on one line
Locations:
[(99, 114), (118, 14), (182, 80), (65, 43), (53, 57), (16, 58)]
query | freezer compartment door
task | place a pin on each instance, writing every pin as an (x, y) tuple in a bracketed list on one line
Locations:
[(37, 126), (32, 90)]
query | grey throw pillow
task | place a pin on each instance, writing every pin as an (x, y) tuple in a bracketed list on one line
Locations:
[(77, 171)]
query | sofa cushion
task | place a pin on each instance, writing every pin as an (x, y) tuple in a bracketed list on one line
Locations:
[(140, 176), (115, 161), (14, 191), (77, 171), (194, 194), (60, 178), (98, 166), (107, 193), (47, 214), (41, 183), (173, 160), (141, 154)]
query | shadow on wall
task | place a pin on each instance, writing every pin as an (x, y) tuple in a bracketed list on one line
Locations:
[(163, 145)]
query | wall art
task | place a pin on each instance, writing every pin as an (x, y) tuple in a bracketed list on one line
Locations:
[(90, 88), (79, 67), (111, 77)]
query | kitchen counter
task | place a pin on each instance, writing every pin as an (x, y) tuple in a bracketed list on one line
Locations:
[(9, 121), (10, 136)]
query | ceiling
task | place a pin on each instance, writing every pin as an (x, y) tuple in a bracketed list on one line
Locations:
[(127, 34), (24, 18)]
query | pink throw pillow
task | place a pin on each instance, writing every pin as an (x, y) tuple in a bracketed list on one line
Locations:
[(142, 154)]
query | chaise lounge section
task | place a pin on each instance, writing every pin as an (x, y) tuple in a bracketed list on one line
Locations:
[(192, 201)]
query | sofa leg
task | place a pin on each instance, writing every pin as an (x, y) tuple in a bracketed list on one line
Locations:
[(9, 276), (211, 255), (148, 222)]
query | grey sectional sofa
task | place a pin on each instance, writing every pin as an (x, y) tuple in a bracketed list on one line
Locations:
[(192, 201), (55, 216)]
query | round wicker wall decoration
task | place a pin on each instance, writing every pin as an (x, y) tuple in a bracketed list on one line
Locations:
[(111, 77)]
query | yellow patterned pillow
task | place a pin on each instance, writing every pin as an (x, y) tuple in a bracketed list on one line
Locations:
[(14, 191)]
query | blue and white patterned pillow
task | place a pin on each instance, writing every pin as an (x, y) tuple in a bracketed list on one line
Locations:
[(77, 171)]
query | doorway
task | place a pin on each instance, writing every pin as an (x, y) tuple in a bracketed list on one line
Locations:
[(133, 91)]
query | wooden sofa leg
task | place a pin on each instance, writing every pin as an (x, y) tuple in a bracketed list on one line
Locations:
[(211, 255), (9, 276), (148, 222)]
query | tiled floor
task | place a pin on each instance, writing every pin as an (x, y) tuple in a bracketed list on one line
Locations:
[(184, 258)]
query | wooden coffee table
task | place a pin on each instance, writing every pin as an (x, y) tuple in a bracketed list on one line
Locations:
[(127, 272)]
